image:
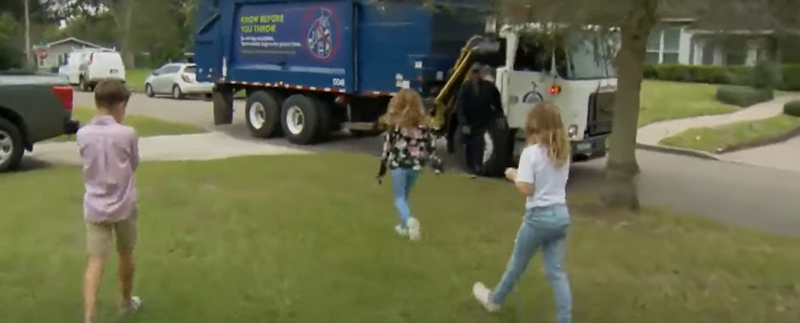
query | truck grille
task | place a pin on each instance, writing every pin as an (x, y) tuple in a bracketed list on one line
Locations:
[(601, 113)]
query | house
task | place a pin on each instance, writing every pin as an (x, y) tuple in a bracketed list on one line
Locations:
[(682, 41), (57, 51)]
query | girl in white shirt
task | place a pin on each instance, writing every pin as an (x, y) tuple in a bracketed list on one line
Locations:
[(542, 178)]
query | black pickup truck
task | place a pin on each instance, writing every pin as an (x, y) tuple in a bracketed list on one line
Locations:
[(33, 108)]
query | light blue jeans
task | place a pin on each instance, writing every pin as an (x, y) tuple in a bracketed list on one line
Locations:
[(545, 228), (403, 180)]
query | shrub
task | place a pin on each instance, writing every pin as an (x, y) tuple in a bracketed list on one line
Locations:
[(765, 75), (788, 76), (792, 108), (743, 96)]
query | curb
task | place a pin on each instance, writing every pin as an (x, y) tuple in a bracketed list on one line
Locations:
[(678, 151)]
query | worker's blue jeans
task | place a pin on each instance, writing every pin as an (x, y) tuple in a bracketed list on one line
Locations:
[(403, 180), (545, 228)]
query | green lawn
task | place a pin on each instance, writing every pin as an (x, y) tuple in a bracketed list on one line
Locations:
[(135, 78), (673, 100), (285, 239), (145, 126), (711, 139)]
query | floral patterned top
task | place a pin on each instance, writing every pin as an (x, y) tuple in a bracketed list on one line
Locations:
[(412, 149)]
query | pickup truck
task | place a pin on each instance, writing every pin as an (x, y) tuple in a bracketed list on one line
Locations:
[(33, 108)]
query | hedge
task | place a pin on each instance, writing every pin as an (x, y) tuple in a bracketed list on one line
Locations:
[(734, 75), (743, 96), (792, 108)]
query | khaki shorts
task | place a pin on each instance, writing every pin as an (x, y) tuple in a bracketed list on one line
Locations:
[(99, 236)]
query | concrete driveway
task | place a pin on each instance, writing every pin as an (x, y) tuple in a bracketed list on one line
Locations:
[(756, 197)]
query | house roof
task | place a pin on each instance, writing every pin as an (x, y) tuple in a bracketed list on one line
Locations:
[(75, 40)]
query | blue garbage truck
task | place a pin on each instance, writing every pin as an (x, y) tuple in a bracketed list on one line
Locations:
[(310, 68)]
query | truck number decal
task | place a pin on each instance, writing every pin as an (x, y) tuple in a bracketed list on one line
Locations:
[(339, 82)]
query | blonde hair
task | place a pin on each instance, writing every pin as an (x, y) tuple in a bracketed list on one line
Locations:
[(405, 110), (543, 126)]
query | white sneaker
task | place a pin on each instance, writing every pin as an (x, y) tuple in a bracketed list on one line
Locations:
[(403, 232), (413, 229), (481, 294), (131, 307)]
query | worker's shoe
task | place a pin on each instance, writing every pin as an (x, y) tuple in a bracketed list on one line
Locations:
[(413, 229), (482, 294)]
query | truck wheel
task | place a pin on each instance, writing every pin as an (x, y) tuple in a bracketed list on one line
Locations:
[(11, 146), (496, 153), (263, 114), (304, 119)]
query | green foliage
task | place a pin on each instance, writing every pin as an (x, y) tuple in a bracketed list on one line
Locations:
[(10, 57), (765, 75), (743, 96), (792, 108), (787, 76)]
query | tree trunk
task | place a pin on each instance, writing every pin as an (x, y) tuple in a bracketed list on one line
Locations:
[(123, 15), (29, 62), (621, 165)]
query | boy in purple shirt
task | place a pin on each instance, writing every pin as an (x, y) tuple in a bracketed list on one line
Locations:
[(110, 155)]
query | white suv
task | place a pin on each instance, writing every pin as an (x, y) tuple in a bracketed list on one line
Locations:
[(177, 79)]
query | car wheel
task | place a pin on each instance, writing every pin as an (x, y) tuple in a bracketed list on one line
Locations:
[(177, 94), (148, 90), (263, 114), (304, 119), (83, 85), (11, 146)]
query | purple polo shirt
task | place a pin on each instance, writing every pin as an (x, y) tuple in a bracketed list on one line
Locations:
[(110, 154)]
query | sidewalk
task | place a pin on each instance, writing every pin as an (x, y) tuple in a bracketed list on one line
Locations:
[(205, 146), (653, 133)]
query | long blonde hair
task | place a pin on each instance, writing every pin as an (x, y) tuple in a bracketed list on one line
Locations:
[(405, 110), (543, 126)]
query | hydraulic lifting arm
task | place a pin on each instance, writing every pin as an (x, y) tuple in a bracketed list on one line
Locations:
[(445, 101)]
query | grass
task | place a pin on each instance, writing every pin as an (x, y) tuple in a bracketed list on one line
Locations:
[(285, 239), (135, 78), (673, 100), (145, 126), (713, 138)]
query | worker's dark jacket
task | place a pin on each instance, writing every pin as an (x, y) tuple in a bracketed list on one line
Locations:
[(478, 104)]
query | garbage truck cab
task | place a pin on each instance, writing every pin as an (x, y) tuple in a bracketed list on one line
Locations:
[(573, 71), (577, 76)]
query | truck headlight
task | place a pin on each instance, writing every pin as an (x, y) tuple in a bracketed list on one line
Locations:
[(573, 131)]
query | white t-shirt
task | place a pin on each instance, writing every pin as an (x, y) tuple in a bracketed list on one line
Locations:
[(549, 181)]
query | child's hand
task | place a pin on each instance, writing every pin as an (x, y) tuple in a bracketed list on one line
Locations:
[(511, 173)]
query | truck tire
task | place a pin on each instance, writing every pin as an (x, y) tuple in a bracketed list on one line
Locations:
[(263, 114), (497, 155), (305, 119), (11, 146)]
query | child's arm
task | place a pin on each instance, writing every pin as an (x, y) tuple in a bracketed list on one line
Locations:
[(387, 146), (134, 151)]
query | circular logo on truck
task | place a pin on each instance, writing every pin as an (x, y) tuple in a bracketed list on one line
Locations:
[(532, 97), (320, 37)]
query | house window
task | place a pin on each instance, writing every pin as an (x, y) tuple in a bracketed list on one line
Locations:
[(663, 46)]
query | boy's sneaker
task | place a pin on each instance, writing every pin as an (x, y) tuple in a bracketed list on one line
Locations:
[(131, 306), (481, 294), (401, 230), (413, 229)]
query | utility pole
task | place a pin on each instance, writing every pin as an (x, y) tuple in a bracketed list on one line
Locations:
[(28, 56)]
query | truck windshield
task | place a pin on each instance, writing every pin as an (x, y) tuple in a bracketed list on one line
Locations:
[(589, 58)]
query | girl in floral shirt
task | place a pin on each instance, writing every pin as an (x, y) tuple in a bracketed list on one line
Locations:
[(409, 144)]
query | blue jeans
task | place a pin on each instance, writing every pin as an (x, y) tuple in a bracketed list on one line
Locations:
[(403, 180), (545, 228)]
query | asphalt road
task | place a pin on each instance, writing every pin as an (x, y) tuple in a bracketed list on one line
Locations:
[(760, 198)]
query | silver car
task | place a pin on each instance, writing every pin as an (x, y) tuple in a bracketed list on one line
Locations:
[(176, 79)]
